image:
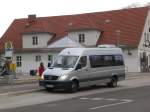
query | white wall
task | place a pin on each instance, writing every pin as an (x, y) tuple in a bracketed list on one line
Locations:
[(142, 48), (43, 38), (132, 61), (145, 30), (91, 36), (28, 61), (64, 42)]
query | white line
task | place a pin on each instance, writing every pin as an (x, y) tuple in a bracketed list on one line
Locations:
[(109, 105), (126, 100), (97, 99), (111, 99)]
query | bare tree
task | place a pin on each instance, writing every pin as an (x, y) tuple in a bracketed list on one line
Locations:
[(134, 5)]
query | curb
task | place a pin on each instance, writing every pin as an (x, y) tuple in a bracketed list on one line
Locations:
[(135, 77), (18, 82), (25, 82), (19, 92)]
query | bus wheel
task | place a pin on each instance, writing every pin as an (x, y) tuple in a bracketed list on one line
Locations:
[(75, 86), (113, 82)]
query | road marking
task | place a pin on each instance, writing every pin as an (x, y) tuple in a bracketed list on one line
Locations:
[(97, 99), (109, 105), (126, 100), (92, 99), (108, 99), (111, 99)]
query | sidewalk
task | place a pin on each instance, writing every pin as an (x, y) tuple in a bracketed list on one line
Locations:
[(21, 84), (131, 75), (20, 79)]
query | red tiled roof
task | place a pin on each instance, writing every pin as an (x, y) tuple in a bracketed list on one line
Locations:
[(129, 21)]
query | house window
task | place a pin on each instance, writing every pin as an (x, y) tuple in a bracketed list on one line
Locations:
[(81, 38), (145, 37), (35, 40), (50, 57), (19, 61), (37, 58), (50, 60)]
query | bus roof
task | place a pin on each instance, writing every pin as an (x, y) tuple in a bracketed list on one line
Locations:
[(90, 51)]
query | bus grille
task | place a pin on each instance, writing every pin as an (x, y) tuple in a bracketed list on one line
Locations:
[(50, 77)]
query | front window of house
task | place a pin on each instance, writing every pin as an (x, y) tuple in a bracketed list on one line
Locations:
[(50, 58), (35, 40), (19, 61), (81, 38), (38, 58)]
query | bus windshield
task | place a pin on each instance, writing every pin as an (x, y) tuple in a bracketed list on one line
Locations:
[(65, 62)]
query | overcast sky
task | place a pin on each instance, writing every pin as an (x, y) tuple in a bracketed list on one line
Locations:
[(11, 9)]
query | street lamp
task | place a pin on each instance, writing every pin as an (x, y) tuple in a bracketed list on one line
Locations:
[(117, 35)]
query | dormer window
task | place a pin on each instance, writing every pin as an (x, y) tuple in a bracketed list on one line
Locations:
[(35, 40), (81, 38)]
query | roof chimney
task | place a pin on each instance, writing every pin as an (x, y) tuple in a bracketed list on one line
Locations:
[(31, 18)]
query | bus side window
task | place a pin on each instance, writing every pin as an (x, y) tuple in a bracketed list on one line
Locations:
[(83, 61)]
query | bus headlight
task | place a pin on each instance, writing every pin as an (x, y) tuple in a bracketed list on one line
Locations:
[(63, 77)]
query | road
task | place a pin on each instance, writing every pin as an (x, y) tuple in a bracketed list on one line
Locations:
[(127, 100), (131, 95)]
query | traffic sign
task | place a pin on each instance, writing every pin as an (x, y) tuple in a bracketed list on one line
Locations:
[(8, 49)]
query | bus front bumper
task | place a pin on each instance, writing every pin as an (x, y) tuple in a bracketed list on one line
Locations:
[(55, 84)]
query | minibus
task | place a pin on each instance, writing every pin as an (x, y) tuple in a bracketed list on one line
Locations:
[(79, 67)]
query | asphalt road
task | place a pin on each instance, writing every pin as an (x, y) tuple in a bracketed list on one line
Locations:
[(126, 100)]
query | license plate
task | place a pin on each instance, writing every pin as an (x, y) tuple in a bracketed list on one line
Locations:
[(50, 86)]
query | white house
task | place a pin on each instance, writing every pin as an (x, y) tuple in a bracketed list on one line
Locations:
[(40, 39)]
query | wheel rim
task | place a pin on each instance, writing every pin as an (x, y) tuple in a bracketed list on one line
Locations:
[(114, 83)]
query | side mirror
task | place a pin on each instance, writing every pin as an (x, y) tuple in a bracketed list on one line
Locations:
[(78, 66)]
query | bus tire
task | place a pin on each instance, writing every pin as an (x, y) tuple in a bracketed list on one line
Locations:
[(74, 86), (113, 83)]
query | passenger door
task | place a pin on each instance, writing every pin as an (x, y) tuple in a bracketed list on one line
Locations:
[(82, 73)]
